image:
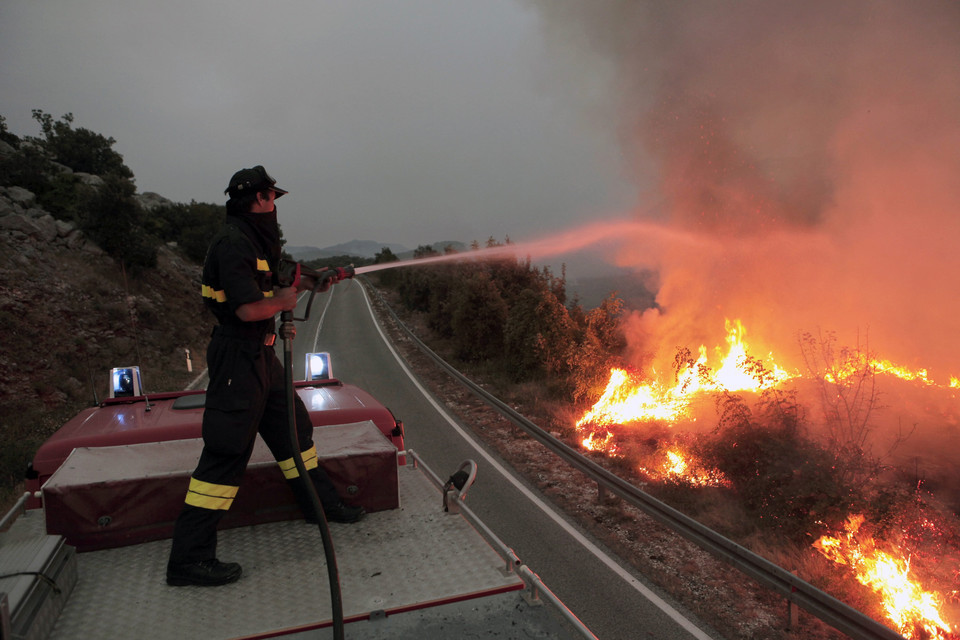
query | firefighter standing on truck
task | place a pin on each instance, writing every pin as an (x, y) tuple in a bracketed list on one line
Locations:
[(246, 394)]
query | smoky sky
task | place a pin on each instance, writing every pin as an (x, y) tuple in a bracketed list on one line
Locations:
[(812, 150), (401, 122)]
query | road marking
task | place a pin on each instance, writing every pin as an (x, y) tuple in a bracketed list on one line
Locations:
[(316, 334), (612, 564)]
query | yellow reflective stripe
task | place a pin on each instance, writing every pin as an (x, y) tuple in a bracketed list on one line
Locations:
[(209, 292), (289, 467), (268, 294), (207, 495), (262, 265), (310, 458)]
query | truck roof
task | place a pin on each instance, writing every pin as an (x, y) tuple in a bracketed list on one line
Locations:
[(403, 573), (178, 416), (90, 560)]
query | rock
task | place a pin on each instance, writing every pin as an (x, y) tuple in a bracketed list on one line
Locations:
[(74, 239), (65, 228), (20, 196), (150, 201), (89, 179), (7, 207), (48, 228), (92, 249), (19, 222)]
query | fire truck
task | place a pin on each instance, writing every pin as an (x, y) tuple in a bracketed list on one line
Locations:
[(83, 553)]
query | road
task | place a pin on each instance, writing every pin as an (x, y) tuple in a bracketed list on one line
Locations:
[(607, 596)]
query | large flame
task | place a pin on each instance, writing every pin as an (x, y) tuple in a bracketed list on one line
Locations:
[(914, 612), (628, 399)]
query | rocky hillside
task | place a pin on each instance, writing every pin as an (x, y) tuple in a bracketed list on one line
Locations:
[(69, 314)]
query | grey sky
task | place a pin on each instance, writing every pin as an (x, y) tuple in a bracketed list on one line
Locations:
[(799, 159), (408, 122)]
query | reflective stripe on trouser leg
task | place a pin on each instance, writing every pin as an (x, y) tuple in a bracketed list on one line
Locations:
[(289, 466), (207, 495)]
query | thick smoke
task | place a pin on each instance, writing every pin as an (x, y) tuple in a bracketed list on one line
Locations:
[(813, 146)]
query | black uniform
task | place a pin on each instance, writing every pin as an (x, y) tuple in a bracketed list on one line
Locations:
[(247, 393)]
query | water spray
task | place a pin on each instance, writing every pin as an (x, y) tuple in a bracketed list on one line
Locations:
[(620, 231)]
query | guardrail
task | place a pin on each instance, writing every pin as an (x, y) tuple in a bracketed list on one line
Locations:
[(795, 590)]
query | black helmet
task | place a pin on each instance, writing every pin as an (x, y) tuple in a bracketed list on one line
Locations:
[(251, 181)]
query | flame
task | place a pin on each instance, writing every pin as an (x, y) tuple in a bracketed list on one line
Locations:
[(914, 612), (885, 366), (627, 399), (682, 466), (603, 444)]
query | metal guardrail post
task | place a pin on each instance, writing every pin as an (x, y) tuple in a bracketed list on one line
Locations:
[(793, 611)]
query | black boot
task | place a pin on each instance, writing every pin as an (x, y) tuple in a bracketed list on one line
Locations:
[(205, 573), (344, 513)]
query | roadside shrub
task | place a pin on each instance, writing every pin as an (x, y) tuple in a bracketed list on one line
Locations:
[(786, 480)]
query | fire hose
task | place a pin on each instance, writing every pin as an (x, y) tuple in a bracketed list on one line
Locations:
[(290, 274)]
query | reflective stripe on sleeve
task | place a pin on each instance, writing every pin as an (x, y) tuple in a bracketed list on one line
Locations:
[(216, 294), (207, 495)]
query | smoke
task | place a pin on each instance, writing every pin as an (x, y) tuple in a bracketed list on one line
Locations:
[(815, 145)]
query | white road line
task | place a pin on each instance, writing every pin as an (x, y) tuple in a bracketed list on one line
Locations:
[(612, 564), (316, 334)]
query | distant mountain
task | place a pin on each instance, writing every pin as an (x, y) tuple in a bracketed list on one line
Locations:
[(637, 290), (439, 247), (361, 248), (366, 249)]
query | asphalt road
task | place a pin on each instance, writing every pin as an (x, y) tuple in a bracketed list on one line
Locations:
[(607, 596)]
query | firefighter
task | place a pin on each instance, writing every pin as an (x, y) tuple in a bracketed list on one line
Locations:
[(246, 393)]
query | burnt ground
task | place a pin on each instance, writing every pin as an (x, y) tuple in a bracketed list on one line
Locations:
[(734, 604)]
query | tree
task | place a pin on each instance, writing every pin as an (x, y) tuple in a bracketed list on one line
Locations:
[(80, 149), (845, 379), (115, 221), (6, 136), (384, 255), (191, 226), (599, 349), (477, 318)]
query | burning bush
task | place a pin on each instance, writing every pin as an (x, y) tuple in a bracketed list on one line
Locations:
[(784, 478)]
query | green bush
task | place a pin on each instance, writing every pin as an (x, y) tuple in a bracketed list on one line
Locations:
[(80, 149)]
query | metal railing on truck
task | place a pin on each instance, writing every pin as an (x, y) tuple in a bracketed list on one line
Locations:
[(796, 591)]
